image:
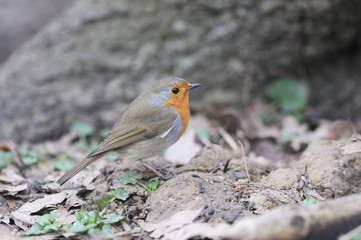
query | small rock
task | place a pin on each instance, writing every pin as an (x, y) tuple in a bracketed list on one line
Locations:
[(269, 198), (283, 178), (330, 172), (209, 159), (190, 191)]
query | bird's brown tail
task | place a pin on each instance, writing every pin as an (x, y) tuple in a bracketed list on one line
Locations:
[(75, 170)]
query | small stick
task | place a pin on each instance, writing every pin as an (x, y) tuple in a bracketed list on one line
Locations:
[(127, 233), (155, 171), (235, 147), (228, 138), (244, 160)]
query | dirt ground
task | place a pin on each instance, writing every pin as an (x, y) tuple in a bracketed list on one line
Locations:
[(237, 172)]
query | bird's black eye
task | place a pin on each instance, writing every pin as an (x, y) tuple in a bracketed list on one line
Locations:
[(175, 90)]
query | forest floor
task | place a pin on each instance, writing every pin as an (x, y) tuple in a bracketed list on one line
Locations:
[(227, 172)]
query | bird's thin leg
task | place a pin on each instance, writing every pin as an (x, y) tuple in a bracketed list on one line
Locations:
[(155, 171)]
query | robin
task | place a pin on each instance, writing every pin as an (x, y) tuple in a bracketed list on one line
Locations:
[(153, 122)]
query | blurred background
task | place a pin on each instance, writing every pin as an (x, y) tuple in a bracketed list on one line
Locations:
[(21, 19), (67, 61)]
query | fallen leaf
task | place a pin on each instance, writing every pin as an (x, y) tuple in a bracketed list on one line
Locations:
[(22, 220), (65, 217), (312, 193), (300, 133), (5, 219), (84, 178), (49, 201), (73, 201), (212, 231), (254, 127), (22, 216), (178, 220), (12, 190), (51, 187), (4, 207), (289, 131), (354, 147), (8, 175)]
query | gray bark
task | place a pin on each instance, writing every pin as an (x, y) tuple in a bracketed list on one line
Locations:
[(326, 220), (89, 63), (21, 19)]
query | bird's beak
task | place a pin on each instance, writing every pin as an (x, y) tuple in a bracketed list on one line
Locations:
[(194, 85)]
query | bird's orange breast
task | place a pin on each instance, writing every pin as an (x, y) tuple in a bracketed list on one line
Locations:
[(180, 103)]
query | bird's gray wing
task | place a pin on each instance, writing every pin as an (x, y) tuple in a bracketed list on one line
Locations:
[(123, 134)]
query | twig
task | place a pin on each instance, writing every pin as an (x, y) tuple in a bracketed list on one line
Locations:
[(128, 233), (229, 140), (203, 140), (237, 148), (244, 160)]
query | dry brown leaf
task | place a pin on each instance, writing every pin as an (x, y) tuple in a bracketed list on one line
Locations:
[(4, 207), (73, 201), (65, 217), (84, 178), (45, 202), (8, 175), (5, 219), (297, 133), (22, 220), (12, 190), (41, 173), (300, 134), (213, 231), (51, 187), (312, 193), (22, 216), (252, 125), (354, 147), (178, 220)]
